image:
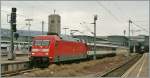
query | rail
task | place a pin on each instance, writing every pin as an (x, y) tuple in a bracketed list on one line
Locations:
[(120, 70)]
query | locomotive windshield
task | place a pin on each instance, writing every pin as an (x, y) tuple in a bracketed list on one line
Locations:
[(41, 42)]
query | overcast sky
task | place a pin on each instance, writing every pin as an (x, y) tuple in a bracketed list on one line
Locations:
[(113, 16)]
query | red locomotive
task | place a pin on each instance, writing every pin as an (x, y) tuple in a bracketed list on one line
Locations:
[(52, 49)]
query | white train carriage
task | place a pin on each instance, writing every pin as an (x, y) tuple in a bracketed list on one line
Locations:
[(102, 50)]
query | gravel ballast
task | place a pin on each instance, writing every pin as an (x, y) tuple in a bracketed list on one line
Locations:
[(80, 69)]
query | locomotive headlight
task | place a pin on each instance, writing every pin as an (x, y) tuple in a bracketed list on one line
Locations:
[(45, 50), (46, 53), (32, 53), (35, 50), (50, 57)]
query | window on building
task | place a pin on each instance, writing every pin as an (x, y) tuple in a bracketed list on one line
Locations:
[(58, 21), (52, 21)]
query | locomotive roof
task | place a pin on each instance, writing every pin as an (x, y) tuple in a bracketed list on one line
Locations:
[(63, 37), (69, 38), (47, 36)]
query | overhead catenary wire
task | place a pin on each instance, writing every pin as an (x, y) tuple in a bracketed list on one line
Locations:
[(16, 13), (25, 17), (87, 28), (140, 27), (121, 12), (110, 13), (115, 17)]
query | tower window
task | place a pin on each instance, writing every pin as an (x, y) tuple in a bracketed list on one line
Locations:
[(52, 21), (58, 21)]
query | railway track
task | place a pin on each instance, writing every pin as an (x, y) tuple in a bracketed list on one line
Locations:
[(18, 68), (120, 70), (16, 73), (116, 72)]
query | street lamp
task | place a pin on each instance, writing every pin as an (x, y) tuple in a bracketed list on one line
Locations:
[(87, 28)]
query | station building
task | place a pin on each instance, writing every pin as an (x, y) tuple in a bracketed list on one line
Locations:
[(118, 40)]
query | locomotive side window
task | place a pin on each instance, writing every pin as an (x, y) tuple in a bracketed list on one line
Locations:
[(41, 42)]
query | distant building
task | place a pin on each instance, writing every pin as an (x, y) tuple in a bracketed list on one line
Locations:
[(118, 40), (146, 41), (103, 37), (23, 35), (141, 40)]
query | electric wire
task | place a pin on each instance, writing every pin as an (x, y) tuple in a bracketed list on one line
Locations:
[(140, 27), (25, 17), (116, 18)]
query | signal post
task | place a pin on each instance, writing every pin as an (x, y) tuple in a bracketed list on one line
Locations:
[(11, 54)]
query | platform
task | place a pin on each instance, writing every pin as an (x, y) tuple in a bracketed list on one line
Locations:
[(9, 66), (18, 59), (139, 69)]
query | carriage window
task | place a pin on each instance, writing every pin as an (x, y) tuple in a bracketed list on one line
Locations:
[(41, 42), (113, 49)]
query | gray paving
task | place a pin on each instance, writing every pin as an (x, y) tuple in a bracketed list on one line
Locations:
[(18, 59)]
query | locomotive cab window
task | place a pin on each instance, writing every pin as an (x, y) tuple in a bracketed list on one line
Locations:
[(41, 42)]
